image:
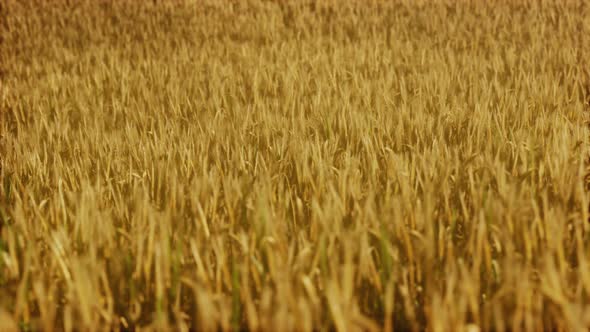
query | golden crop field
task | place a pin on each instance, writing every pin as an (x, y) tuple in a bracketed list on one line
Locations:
[(294, 165)]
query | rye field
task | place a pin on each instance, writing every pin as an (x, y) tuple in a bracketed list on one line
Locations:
[(220, 165)]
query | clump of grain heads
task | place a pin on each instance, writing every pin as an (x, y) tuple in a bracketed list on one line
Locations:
[(294, 165)]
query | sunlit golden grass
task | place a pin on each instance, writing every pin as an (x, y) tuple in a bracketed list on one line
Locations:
[(294, 165)]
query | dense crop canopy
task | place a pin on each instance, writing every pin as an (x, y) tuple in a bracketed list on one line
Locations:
[(291, 165)]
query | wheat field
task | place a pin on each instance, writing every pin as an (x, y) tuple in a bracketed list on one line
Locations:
[(294, 165)]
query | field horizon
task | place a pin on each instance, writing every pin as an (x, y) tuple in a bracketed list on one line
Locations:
[(294, 166)]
